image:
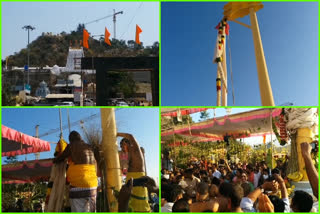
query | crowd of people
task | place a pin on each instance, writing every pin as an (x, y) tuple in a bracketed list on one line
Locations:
[(228, 187)]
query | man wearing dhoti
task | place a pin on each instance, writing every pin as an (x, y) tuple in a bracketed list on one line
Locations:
[(81, 174), (139, 197)]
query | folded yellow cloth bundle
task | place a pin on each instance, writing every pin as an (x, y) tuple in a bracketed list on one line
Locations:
[(61, 146)]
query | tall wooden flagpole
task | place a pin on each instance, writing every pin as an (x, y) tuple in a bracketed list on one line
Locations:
[(263, 76), (224, 86), (111, 155), (234, 10)]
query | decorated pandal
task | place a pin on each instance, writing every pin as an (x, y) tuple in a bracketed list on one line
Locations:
[(27, 171), (174, 112), (242, 125), (17, 143), (290, 126)]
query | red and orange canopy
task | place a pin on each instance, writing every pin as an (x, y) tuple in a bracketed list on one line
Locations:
[(17, 143)]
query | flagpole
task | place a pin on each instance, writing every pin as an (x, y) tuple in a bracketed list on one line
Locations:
[(110, 155), (218, 91), (234, 10), (263, 76), (225, 84)]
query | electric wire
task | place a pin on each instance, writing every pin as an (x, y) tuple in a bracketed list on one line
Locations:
[(96, 20), (75, 123)]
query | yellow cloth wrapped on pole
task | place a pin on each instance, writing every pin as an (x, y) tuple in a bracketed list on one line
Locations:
[(139, 198), (303, 135), (61, 146), (82, 175)]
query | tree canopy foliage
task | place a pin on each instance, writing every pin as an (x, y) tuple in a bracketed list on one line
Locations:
[(204, 115), (170, 122)]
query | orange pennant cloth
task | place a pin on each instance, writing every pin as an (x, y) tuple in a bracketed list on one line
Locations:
[(138, 31), (85, 39), (106, 36)]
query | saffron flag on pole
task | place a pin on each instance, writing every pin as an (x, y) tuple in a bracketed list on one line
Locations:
[(106, 36), (85, 39), (138, 31)]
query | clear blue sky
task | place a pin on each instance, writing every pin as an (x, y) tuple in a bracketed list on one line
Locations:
[(56, 17), (289, 32), (143, 123)]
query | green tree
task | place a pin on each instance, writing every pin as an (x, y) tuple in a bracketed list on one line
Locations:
[(127, 85), (11, 159), (80, 28), (7, 98), (155, 49), (204, 115), (170, 122), (131, 44)]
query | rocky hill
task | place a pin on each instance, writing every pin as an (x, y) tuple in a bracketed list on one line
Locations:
[(51, 50)]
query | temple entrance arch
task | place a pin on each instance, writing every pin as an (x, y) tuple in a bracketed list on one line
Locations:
[(103, 65)]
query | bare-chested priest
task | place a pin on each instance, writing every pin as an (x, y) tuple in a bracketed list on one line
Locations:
[(81, 174)]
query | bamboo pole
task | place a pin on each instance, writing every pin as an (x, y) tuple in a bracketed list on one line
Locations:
[(225, 84), (174, 142), (219, 92), (263, 76), (60, 117), (303, 135), (68, 120), (271, 132), (241, 23), (111, 155)]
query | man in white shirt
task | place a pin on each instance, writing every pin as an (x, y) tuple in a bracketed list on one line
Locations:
[(191, 182)]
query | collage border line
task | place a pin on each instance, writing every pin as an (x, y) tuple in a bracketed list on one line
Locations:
[(160, 85)]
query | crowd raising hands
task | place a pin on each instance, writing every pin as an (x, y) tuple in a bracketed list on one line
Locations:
[(241, 187)]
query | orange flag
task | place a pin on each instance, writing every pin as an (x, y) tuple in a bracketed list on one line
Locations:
[(106, 37), (264, 139), (138, 31), (85, 39)]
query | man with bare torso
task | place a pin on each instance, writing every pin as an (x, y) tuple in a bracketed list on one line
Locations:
[(139, 197), (124, 156), (81, 174)]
